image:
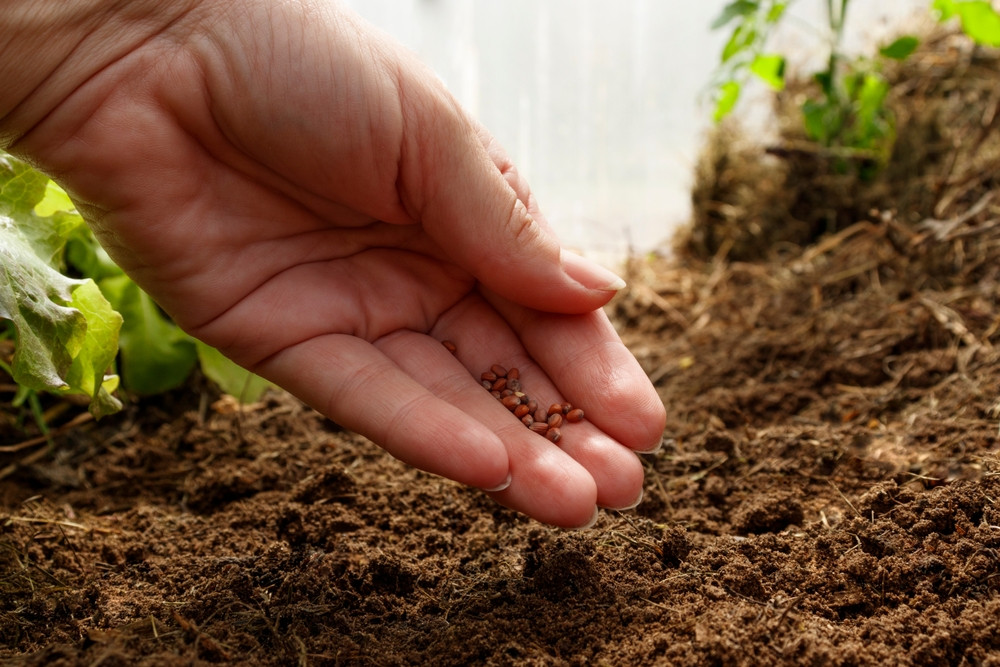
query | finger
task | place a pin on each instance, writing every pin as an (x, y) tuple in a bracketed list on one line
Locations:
[(451, 184), (350, 381), (594, 369), (545, 483), (484, 339)]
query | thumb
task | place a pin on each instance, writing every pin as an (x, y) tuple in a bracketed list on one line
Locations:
[(473, 203)]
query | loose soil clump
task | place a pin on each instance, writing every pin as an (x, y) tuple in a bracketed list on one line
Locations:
[(828, 491)]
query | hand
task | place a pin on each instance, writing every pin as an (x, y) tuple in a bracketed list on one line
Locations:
[(296, 190)]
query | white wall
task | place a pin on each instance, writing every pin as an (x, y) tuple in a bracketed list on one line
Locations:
[(599, 102)]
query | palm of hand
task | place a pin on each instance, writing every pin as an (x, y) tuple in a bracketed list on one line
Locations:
[(325, 222)]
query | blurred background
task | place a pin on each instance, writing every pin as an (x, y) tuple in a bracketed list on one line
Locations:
[(604, 104)]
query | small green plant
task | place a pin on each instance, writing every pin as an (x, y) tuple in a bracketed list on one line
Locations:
[(849, 117), (75, 316)]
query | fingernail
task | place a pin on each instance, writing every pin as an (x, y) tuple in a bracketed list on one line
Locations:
[(631, 506), (589, 273), (657, 447), (501, 487), (589, 524)]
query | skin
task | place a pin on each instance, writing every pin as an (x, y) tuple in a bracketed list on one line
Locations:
[(295, 189)]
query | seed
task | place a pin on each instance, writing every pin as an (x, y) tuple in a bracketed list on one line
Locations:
[(505, 386), (451, 347)]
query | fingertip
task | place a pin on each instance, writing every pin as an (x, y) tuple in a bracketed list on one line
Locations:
[(589, 274), (620, 479), (473, 456), (554, 490), (501, 486), (630, 410), (595, 515)]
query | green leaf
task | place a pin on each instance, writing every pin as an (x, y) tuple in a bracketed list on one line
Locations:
[(66, 332), (825, 82), (776, 12), (739, 8), (871, 123), (728, 95), (156, 355), (771, 69), (97, 354), (946, 8), (742, 38), (821, 120), (980, 22), (231, 378), (901, 48)]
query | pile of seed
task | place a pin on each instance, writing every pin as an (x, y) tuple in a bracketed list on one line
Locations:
[(505, 386)]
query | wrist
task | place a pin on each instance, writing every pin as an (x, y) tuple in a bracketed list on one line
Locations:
[(51, 47)]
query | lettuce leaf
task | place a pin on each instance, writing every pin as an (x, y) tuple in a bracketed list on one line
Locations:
[(66, 331)]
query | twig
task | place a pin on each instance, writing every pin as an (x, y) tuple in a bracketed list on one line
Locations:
[(78, 420), (849, 503)]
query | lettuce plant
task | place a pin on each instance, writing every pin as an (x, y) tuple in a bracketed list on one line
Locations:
[(75, 316)]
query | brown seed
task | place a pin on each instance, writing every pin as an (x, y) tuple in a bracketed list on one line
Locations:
[(514, 383), (566, 407), (554, 421), (574, 415), (555, 408), (487, 385), (521, 411), (532, 405), (507, 392), (553, 434), (500, 384), (527, 420), (499, 370), (539, 427), (451, 347), (488, 376), (513, 374), (496, 395), (510, 402)]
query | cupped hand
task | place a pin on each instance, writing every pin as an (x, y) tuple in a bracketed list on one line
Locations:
[(296, 190)]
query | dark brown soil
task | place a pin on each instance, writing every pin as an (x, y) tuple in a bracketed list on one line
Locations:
[(828, 493)]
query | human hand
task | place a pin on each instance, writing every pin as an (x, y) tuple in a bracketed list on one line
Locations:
[(297, 191)]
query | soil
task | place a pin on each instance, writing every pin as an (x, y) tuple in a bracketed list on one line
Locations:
[(828, 493)]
